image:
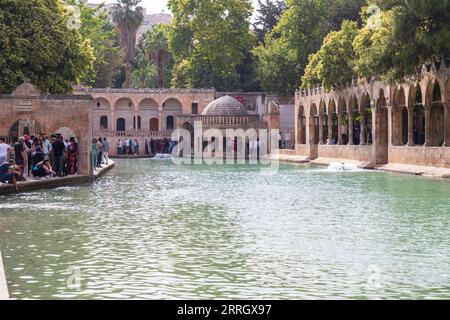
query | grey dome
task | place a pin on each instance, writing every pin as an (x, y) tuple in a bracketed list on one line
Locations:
[(224, 106)]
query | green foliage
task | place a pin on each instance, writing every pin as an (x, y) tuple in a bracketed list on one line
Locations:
[(36, 43), (277, 66), (269, 13), (145, 76), (410, 33), (96, 28), (128, 16), (208, 41), (154, 49), (298, 34), (333, 63)]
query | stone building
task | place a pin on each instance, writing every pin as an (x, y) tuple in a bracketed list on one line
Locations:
[(27, 111), (377, 123), (141, 114)]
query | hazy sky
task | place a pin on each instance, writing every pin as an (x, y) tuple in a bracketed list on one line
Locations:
[(153, 6)]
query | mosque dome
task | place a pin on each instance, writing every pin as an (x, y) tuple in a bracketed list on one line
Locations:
[(225, 106)]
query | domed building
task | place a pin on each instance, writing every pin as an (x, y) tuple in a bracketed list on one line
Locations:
[(223, 113), (225, 106)]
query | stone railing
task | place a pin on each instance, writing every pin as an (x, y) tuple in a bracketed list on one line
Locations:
[(132, 134), (222, 120)]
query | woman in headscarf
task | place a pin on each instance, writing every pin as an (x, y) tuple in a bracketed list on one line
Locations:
[(72, 156)]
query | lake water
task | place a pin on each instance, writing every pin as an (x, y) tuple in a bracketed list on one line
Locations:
[(151, 229)]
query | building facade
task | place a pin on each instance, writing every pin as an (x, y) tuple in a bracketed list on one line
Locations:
[(27, 111)]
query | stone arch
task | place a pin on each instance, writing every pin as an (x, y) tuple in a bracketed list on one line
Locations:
[(101, 104), (313, 125), (323, 116), (332, 122), (301, 125), (148, 104), (124, 104), (435, 129), (399, 118), (355, 120), (20, 127), (172, 104), (415, 103)]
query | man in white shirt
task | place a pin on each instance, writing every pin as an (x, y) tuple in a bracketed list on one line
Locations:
[(47, 146), (5, 149)]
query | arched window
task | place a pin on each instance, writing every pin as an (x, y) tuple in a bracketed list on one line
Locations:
[(154, 124), (103, 122), (120, 124), (170, 123)]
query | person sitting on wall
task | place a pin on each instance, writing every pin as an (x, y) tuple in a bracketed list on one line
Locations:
[(9, 173), (43, 169)]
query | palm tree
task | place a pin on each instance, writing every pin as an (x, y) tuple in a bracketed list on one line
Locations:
[(157, 50), (128, 16)]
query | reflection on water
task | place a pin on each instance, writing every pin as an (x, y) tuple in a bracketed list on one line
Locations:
[(156, 230)]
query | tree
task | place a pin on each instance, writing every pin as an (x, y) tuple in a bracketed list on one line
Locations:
[(96, 27), (36, 43), (155, 47), (208, 41), (128, 16), (333, 63), (269, 13), (409, 34), (298, 34)]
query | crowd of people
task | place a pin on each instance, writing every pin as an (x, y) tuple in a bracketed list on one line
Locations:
[(37, 157), (100, 152), (152, 146)]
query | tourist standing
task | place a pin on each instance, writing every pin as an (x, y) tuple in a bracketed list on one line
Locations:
[(20, 154), (94, 154), (100, 152), (106, 150), (46, 145), (135, 147), (146, 146), (59, 149), (5, 150), (72, 156), (119, 147)]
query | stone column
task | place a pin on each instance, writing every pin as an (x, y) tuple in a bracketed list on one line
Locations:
[(410, 127), (427, 127), (350, 129), (339, 128), (160, 116), (362, 134), (330, 129), (320, 128), (446, 140)]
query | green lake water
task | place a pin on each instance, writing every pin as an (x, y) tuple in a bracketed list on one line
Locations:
[(151, 229)]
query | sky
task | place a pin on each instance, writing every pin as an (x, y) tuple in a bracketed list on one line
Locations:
[(153, 6)]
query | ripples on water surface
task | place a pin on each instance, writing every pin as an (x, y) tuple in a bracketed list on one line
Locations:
[(156, 230)]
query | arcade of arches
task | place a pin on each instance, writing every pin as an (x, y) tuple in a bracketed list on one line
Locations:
[(374, 122)]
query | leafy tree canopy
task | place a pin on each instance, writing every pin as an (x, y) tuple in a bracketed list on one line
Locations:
[(37, 43), (208, 41)]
